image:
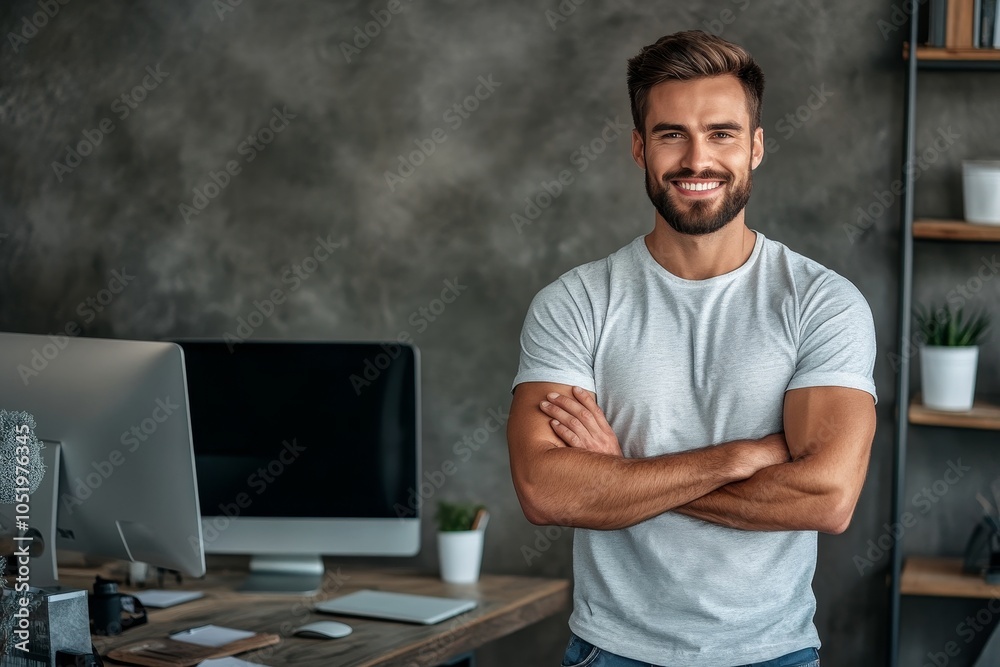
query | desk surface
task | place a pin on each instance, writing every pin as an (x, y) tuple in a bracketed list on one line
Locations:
[(506, 604)]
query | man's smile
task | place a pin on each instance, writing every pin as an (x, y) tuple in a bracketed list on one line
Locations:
[(695, 188)]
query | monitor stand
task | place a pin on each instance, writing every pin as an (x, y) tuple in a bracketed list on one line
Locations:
[(302, 575)]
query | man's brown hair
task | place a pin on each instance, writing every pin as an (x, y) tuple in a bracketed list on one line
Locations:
[(692, 54)]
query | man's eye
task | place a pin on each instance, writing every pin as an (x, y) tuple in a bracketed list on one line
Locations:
[(723, 135)]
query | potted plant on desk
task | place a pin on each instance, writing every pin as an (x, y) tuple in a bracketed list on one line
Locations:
[(949, 356), (461, 528)]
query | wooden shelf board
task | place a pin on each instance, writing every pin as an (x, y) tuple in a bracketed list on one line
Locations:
[(954, 230), (942, 577), (939, 53), (983, 415), (952, 53)]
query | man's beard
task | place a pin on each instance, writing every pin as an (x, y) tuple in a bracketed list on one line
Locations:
[(699, 218)]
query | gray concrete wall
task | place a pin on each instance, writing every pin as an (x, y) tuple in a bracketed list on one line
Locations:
[(223, 71)]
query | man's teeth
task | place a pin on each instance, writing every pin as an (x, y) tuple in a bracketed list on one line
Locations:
[(698, 186)]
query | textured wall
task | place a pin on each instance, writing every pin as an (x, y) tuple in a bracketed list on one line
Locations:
[(300, 132)]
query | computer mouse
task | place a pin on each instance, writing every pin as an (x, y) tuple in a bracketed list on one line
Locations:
[(324, 630)]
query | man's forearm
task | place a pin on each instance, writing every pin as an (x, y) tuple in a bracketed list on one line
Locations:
[(788, 496), (574, 487), (829, 431)]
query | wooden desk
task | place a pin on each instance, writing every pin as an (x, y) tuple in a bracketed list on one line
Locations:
[(506, 604)]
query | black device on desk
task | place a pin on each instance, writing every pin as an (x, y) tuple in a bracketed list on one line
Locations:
[(304, 448)]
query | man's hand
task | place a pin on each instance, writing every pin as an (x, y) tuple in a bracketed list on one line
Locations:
[(579, 422)]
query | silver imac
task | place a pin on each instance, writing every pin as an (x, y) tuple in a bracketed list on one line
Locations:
[(304, 449), (113, 416)]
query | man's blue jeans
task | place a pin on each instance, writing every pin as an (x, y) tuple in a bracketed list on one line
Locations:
[(580, 653)]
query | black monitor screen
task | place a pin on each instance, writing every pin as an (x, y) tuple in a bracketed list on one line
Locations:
[(303, 429)]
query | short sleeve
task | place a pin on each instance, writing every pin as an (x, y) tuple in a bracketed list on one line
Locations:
[(557, 339), (836, 339)]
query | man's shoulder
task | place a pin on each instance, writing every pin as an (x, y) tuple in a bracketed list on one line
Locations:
[(779, 253), (803, 269), (592, 277), (811, 280)]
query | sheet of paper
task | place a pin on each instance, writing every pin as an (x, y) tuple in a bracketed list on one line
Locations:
[(161, 598), (211, 635), (228, 662)]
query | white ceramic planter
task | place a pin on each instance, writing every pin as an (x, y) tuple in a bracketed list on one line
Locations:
[(981, 189), (948, 376), (460, 553)]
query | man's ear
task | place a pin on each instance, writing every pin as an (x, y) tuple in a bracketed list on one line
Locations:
[(757, 149), (638, 149)]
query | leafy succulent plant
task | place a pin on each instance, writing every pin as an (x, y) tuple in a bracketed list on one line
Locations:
[(951, 328), (453, 517)]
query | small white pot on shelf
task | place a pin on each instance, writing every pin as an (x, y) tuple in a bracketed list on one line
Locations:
[(981, 190), (948, 377)]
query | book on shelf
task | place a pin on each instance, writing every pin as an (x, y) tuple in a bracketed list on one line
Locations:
[(960, 22), (996, 27), (977, 22), (963, 24), (986, 20), (937, 22)]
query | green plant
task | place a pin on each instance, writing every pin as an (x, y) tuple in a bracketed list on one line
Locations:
[(453, 517), (948, 328)]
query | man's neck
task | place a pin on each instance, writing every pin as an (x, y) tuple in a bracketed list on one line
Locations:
[(701, 257)]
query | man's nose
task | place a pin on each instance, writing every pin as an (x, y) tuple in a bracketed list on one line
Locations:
[(697, 157)]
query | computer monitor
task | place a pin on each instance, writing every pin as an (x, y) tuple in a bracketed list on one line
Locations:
[(114, 417), (304, 449)]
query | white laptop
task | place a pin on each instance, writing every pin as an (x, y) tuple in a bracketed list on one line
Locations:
[(396, 606)]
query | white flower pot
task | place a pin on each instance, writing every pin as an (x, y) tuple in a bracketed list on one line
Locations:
[(460, 553), (948, 376), (981, 187)]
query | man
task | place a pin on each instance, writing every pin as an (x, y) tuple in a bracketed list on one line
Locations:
[(698, 404)]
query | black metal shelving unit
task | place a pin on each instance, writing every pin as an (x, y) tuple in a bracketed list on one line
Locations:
[(903, 374), (914, 62)]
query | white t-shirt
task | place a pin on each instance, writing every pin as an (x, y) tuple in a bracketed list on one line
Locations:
[(682, 364)]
